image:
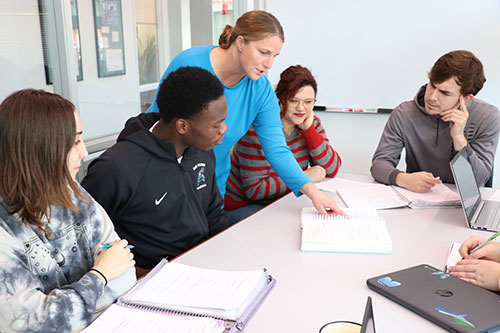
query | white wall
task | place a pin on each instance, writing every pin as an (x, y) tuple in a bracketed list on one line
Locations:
[(106, 103), (377, 54), (355, 147)]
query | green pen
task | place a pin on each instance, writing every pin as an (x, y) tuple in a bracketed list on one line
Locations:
[(488, 240), (107, 246)]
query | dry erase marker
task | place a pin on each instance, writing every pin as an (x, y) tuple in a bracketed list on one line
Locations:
[(107, 246), (351, 110)]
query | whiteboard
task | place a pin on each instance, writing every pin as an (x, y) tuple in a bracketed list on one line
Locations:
[(377, 53)]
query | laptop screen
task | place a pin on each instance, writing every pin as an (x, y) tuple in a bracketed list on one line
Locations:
[(368, 325), (466, 183)]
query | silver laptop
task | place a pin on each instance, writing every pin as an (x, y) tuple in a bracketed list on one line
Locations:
[(447, 301), (480, 214)]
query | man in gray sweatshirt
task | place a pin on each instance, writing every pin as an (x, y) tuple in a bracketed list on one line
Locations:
[(443, 118)]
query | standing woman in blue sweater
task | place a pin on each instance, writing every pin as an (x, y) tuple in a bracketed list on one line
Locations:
[(245, 52)]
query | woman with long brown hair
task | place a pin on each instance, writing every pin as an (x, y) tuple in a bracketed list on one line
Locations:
[(54, 272), (245, 52)]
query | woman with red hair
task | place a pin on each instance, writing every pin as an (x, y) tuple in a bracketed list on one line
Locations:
[(252, 182)]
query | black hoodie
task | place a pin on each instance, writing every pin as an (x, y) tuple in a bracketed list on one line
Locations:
[(159, 205)]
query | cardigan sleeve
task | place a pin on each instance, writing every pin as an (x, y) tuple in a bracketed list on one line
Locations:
[(258, 179), (320, 151)]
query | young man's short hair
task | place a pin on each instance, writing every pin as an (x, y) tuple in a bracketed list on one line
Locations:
[(464, 66), (186, 92)]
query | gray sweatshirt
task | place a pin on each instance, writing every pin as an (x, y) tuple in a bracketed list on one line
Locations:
[(428, 143)]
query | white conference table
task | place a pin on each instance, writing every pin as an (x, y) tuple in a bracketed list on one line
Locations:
[(315, 288)]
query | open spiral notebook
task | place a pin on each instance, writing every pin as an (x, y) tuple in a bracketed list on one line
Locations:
[(364, 195), (189, 299)]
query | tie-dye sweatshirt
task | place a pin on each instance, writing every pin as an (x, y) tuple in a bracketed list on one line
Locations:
[(45, 284)]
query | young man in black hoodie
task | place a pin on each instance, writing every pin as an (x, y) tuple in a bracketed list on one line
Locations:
[(157, 183)]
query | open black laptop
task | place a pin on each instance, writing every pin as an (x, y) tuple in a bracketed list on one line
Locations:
[(368, 324), (480, 214), (447, 301)]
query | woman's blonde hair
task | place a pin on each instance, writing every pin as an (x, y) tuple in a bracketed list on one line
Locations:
[(253, 25)]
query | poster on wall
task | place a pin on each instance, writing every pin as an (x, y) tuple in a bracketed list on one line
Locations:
[(76, 40), (109, 37)]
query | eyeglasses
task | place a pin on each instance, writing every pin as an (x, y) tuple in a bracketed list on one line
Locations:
[(308, 103)]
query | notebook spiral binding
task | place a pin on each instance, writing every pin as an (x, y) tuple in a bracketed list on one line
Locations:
[(163, 311)]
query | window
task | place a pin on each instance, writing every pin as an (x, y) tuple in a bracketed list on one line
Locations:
[(223, 13), (147, 49)]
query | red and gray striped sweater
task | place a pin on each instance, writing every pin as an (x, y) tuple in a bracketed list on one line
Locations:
[(253, 180)]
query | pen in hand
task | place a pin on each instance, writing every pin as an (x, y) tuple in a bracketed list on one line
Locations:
[(484, 243), (107, 246)]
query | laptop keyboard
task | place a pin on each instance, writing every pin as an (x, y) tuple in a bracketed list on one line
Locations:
[(489, 216)]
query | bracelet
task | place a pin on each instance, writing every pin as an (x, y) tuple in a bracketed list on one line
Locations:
[(95, 270)]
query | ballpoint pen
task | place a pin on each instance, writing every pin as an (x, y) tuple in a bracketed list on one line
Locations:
[(483, 244), (107, 246)]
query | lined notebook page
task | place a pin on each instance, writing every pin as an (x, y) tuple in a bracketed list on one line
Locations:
[(336, 183), (372, 196), (364, 231), (120, 319)]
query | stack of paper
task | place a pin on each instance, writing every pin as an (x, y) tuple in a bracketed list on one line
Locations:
[(362, 232)]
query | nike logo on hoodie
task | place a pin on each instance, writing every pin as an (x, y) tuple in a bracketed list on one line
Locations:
[(158, 201)]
